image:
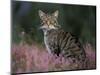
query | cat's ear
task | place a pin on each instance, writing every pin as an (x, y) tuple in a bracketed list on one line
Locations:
[(55, 14), (41, 13)]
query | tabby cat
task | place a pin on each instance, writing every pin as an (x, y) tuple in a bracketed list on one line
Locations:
[(57, 41)]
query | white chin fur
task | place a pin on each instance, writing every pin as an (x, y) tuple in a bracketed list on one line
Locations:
[(48, 27)]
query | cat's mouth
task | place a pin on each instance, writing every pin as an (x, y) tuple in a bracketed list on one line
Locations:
[(47, 27)]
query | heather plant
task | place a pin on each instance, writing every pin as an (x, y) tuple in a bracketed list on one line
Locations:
[(31, 58), (91, 56)]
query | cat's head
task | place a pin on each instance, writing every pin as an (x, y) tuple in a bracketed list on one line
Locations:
[(49, 21)]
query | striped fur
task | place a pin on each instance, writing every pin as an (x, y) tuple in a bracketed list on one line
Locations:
[(58, 41)]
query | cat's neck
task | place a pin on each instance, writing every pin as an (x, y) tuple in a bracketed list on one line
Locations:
[(46, 32)]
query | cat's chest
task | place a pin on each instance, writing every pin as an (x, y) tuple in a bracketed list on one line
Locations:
[(50, 40), (46, 41)]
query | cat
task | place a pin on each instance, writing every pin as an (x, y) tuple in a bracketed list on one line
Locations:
[(57, 41)]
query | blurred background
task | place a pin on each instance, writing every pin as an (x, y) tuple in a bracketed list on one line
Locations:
[(77, 19)]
